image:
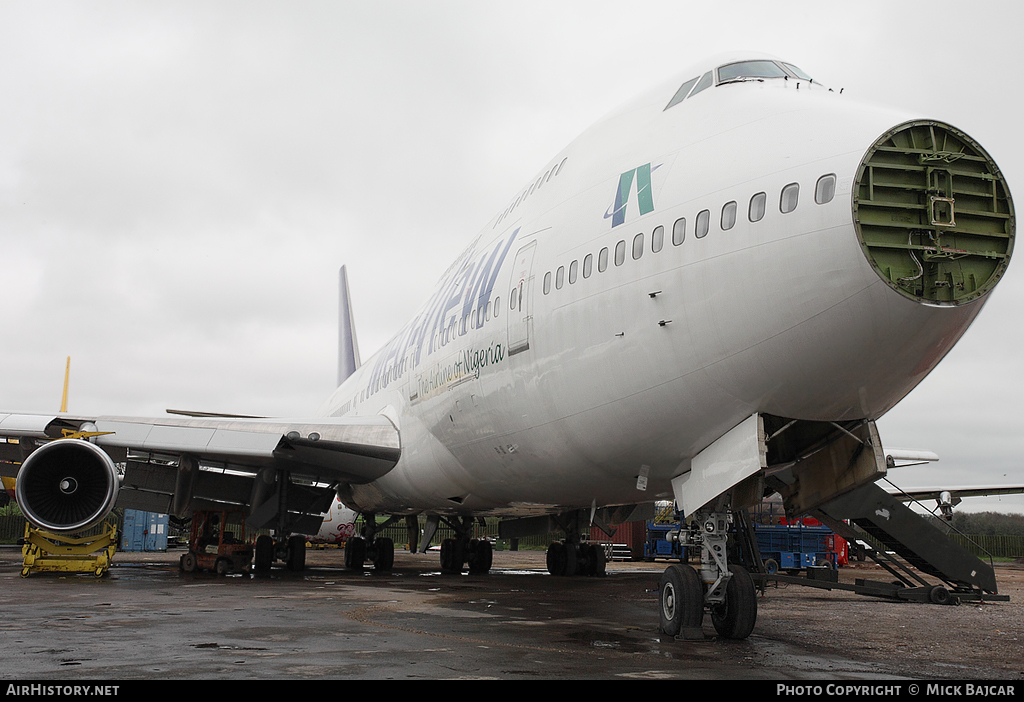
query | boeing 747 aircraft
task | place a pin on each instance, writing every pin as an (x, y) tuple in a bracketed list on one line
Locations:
[(710, 294)]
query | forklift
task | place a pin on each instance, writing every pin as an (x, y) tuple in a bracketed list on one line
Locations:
[(212, 547)]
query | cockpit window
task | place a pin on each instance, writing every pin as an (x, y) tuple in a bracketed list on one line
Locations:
[(796, 72), (757, 70), (686, 88), (750, 69), (705, 82), (683, 91)]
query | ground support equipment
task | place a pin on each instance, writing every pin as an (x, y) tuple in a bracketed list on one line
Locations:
[(44, 551), (911, 548), (211, 547)]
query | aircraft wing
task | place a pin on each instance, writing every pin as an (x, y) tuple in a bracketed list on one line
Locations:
[(935, 493), (175, 464), (949, 497)]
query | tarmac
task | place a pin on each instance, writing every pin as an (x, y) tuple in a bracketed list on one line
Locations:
[(145, 620)]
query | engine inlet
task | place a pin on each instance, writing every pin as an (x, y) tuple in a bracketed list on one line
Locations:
[(67, 485)]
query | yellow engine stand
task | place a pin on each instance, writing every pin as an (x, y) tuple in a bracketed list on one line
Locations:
[(55, 553)]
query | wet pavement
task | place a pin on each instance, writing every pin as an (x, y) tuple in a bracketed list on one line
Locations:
[(147, 620)]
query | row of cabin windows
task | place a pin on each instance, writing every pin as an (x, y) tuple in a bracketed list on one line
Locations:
[(824, 192), (475, 319), (541, 180)]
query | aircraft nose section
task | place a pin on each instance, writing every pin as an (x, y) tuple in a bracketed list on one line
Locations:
[(933, 214)]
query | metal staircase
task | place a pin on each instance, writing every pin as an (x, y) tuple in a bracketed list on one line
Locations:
[(919, 544)]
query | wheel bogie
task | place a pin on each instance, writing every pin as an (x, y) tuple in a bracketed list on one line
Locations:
[(565, 558)]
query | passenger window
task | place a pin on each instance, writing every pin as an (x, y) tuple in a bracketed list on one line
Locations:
[(728, 216), (620, 253), (657, 239), (703, 223), (790, 197), (638, 246), (825, 190), (512, 298), (573, 270), (497, 306), (756, 210), (602, 260), (679, 231), (547, 282), (588, 265), (559, 277)]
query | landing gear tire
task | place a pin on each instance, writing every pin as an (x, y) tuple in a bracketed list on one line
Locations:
[(264, 554), (452, 556), (561, 559), (596, 561), (481, 554), (735, 618), (296, 553), (681, 599), (355, 553), (384, 556)]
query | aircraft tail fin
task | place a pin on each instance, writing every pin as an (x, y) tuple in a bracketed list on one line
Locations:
[(67, 376), (348, 347)]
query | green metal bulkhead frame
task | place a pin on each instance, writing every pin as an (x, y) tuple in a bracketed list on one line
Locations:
[(933, 214)]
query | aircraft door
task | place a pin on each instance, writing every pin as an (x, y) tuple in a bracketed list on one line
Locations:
[(520, 318)]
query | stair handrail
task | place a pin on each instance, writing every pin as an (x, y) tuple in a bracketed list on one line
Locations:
[(949, 525)]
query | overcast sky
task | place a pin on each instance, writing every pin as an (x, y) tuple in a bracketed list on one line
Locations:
[(180, 181)]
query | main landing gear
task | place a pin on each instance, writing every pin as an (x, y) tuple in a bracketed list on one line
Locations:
[(726, 591), (572, 556), (459, 550), (462, 550), (379, 550), (291, 550)]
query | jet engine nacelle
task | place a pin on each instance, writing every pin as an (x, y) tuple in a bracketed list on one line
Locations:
[(67, 485)]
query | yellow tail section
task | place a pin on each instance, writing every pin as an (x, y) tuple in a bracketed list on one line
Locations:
[(67, 375)]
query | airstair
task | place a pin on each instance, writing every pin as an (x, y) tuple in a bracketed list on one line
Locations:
[(911, 549)]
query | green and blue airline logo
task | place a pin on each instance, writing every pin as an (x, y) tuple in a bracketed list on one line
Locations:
[(644, 193)]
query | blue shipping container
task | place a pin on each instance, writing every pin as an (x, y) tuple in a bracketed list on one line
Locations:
[(144, 531)]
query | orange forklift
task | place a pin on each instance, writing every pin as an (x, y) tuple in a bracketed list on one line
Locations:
[(211, 547)]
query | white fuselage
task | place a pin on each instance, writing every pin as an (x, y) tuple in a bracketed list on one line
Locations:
[(565, 395)]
